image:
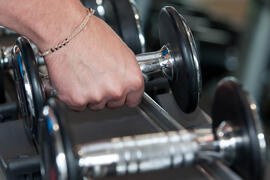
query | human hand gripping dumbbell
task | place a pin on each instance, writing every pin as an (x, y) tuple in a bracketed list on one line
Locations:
[(122, 16), (177, 61), (236, 138)]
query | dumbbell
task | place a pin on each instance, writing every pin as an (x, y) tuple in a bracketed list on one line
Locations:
[(29, 90), (123, 17), (5, 65), (177, 61), (236, 138), (8, 111), (6, 57)]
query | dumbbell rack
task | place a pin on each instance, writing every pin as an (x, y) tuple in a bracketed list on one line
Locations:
[(84, 129), (20, 159)]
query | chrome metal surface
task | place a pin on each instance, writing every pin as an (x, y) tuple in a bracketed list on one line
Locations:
[(157, 116), (262, 136), (24, 94), (142, 153), (228, 140), (139, 24), (100, 9), (47, 87), (6, 57), (57, 163), (156, 62), (6, 31), (148, 152)]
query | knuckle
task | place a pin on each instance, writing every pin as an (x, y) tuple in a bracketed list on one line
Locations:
[(78, 100), (132, 104), (137, 82), (96, 98), (117, 92), (133, 99), (75, 103)]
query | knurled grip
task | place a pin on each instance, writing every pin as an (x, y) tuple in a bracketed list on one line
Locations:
[(141, 153)]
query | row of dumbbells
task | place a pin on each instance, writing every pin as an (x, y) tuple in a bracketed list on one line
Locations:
[(235, 138), (176, 61)]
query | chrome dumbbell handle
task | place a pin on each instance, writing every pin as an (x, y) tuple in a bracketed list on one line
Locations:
[(156, 62), (157, 116), (142, 153)]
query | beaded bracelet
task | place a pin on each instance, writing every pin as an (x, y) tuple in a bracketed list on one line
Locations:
[(71, 36)]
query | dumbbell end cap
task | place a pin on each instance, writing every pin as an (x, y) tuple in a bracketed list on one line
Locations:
[(186, 77)]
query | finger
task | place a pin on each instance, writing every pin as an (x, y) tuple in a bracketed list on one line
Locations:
[(112, 104), (133, 98), (77, 108), (97, 107)]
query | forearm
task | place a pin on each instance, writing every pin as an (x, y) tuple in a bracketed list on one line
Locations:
[(44, 22)]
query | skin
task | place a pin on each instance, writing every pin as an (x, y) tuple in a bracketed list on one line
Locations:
[(95, 70)]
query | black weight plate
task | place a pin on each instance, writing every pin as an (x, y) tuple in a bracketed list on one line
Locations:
[(55, 141), (28, 85), (105, 11), (110, 16), (232, 105), (120, 16), (2, 87), (89, 4), (186, 82), (129, 27)]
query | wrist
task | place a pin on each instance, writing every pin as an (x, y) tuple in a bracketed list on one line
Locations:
[(57, 26), (45, 23)]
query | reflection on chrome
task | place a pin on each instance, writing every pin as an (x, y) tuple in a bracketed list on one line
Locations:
[(155, 62), (60, 160), (55, 145), (139, 25)]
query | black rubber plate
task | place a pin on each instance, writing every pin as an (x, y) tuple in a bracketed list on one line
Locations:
[(26, 66), (120, 16), (185, 84), (127, 24), (232, 104)]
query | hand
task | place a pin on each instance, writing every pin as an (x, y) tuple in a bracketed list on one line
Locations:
[(96, 69)]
